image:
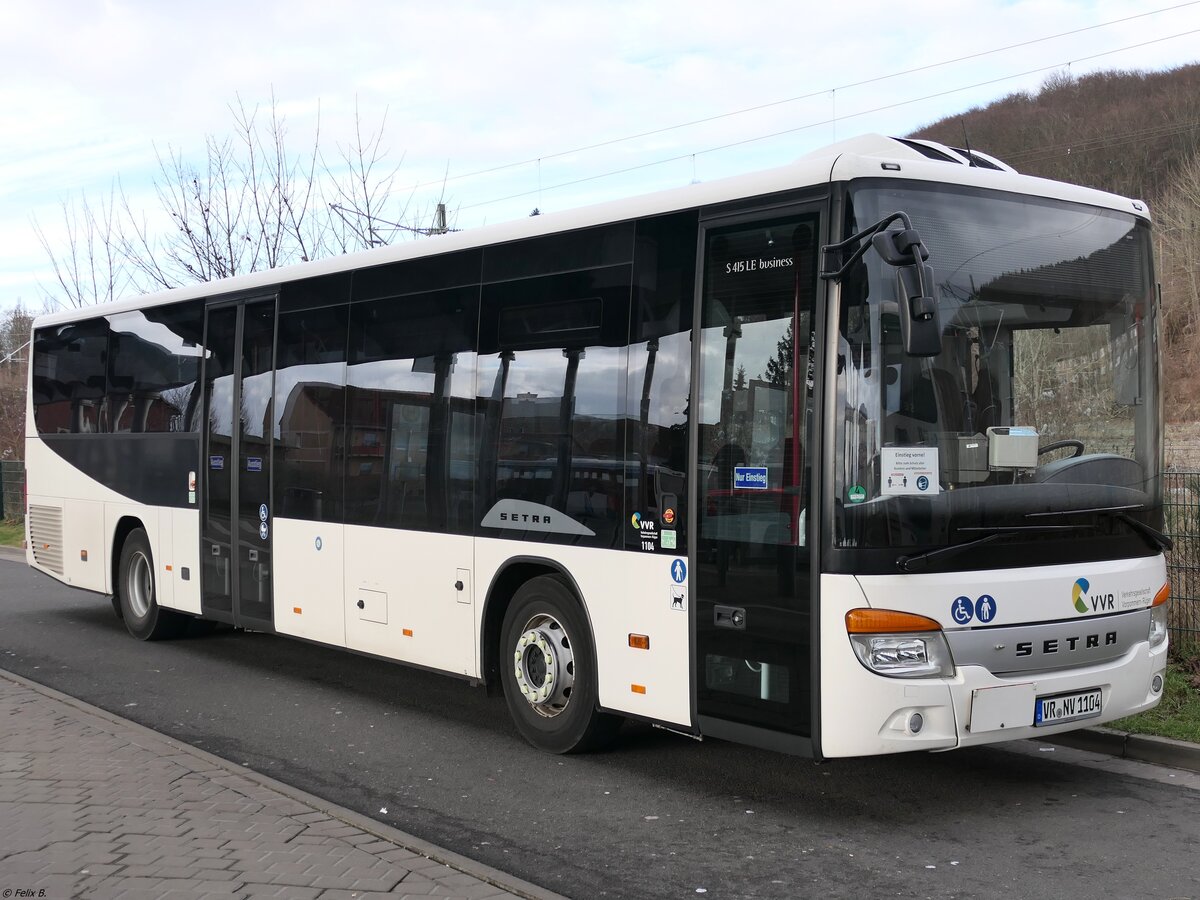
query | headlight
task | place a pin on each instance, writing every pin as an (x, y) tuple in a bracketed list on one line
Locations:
[(1158, 625), (1158, 616), (899, 645)]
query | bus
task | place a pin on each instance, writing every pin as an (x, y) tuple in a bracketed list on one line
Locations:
[(855, 456)]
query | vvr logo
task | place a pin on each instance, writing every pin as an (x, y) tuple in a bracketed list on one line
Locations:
[(1093, 602)]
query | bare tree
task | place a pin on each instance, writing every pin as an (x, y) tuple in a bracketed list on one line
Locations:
[(92, 266), (1178, 244), (253, 202), (14, 364)]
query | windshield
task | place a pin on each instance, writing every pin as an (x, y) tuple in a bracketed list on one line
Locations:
[(1037, 422)]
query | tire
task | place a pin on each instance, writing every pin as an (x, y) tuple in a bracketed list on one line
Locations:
[(144, 618), (552, 703)]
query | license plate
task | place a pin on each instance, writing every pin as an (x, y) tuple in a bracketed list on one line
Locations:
[(1067, 707)]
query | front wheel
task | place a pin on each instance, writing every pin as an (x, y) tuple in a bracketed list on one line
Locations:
[(144, 618), (548, 668)]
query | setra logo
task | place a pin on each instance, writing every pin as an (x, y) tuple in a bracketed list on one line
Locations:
[(1078, 589)]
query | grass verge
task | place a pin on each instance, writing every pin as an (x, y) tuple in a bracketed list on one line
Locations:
[(1178, 715), (12, 533)]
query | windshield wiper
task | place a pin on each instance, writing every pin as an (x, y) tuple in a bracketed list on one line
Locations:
[(917, 561), (1155, 538)]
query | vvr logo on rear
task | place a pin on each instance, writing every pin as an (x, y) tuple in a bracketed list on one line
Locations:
[(1085, 602)]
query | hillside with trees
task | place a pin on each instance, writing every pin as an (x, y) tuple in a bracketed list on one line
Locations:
[(1132, 133)]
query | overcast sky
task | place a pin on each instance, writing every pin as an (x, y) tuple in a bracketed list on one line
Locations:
[(89, 90)]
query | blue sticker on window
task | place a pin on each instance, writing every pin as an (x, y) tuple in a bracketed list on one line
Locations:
[(216, 462), (753, 478), (253, 463)]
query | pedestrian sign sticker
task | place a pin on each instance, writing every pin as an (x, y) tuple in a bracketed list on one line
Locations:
[(908, 470), (678, 571), (964, 610), (985, 608)]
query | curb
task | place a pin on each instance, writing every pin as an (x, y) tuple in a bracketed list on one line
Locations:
[(402, 839), (1140, 747)]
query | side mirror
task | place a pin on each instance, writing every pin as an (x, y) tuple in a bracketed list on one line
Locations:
[(920, 329), (901, 248)]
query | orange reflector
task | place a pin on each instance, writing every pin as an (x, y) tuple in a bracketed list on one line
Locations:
[(83, 556), (887, 621), (639, 641), (408, 632), (168, 568), (297, 610), (1163, 595), (638, 688)]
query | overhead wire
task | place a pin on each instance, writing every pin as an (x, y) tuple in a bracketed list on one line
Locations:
[(774, 103), (763, 137)]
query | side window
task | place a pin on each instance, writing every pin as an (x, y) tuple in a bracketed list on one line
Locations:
[(660, 350), (69, 372), (551, 386), (410, 452), (154, 362), (310, 413)]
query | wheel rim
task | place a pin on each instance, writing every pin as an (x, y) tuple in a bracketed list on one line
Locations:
[(544, 665), (139, 584)]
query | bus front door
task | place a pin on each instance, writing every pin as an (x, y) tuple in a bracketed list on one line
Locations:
[(235, 532), (751, 582)]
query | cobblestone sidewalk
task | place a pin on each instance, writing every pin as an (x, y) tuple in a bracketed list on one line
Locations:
[(94, 806)]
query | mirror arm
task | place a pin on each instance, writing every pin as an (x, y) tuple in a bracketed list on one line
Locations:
[(830, 253)]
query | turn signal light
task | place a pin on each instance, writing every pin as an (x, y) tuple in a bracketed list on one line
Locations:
[(887, 621), (1163, 595), (639, 641)]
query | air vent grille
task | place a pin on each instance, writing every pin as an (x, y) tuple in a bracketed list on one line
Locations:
[(45, 536)]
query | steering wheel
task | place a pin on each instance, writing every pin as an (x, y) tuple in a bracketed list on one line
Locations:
[(1058, 445)]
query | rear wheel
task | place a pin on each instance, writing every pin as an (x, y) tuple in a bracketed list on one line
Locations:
[(144, 618), (548, 669)]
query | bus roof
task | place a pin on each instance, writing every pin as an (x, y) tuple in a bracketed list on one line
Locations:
[(858, 157)]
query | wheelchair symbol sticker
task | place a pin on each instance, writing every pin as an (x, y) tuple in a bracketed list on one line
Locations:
[(962, 610)]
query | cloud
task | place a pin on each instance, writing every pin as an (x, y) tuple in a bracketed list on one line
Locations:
[(91, 89)]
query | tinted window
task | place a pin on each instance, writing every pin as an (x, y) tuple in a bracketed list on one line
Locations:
[(418, 276), (154, 362), (660, 350), (552, 404), (410, 447), (310, 413), (69, 373), (590, 248)]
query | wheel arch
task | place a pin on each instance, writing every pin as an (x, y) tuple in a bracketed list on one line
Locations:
[(504, 585), (121, 531)]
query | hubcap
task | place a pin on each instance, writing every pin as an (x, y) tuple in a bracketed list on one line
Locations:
[(139, 585), (544, 665)]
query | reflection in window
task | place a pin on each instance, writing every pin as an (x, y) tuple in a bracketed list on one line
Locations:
[(409, 442), (154, 362), (69, 366), (552, 400), (310, 412)]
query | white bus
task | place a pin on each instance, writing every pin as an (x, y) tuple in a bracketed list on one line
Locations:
[(737, 459)]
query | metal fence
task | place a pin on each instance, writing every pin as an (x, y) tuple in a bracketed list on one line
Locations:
[(1181, 497), (12, 489)]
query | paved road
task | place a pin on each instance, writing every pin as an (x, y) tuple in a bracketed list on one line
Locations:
[(660, 817)]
